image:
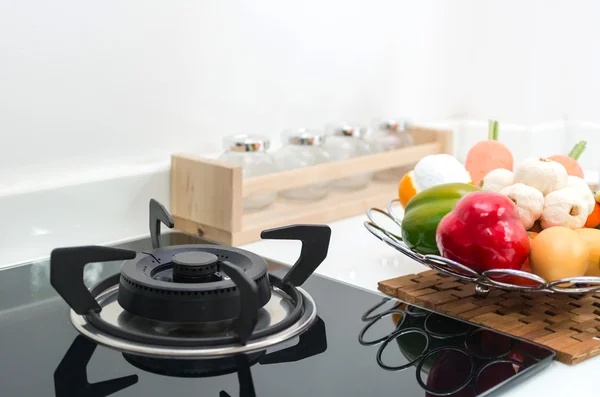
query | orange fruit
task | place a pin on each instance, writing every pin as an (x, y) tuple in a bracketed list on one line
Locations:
[(559, 252), (593, 219), (406, 188)]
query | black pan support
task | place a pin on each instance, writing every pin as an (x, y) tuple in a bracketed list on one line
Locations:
[(158, 215), (66, 273), (315, 244), (250, 302), (67, 264)]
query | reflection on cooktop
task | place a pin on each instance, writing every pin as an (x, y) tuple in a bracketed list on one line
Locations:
[(450, 357), (71, 378)]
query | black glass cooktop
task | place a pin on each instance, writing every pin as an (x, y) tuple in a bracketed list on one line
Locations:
[(360, 345)]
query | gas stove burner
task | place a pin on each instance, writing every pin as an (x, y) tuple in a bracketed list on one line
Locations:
[(282, 318), (190, 301), (190, 283)]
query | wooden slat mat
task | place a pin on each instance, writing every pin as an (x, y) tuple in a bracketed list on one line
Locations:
[(569, 324)]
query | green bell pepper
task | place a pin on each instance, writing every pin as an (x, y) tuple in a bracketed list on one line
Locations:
[(425, 210)]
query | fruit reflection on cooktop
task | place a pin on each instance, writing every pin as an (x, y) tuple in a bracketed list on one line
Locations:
[(450, 357)]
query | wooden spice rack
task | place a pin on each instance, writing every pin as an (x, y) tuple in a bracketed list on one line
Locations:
[(207, 195)]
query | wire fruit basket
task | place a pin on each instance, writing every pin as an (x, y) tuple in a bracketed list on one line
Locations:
[(386, 225)]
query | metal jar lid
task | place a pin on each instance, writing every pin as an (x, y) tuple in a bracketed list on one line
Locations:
[(392, 125), (303, 137), (247, 143), (347, 130)]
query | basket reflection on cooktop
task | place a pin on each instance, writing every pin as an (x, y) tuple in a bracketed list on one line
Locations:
[(449, 357)]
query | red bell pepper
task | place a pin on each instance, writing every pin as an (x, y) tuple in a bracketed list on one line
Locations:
[(483, 232)]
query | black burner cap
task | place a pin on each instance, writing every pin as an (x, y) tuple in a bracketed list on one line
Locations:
[(194, 265), (189, 283), (194, 258)]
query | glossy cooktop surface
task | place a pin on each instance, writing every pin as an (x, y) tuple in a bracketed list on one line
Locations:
[(404, 350)]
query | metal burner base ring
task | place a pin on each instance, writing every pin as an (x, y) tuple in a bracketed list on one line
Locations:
[(194, 352)]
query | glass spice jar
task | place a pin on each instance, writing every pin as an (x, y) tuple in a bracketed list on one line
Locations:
[(302, 148), (345, 141), (250, 151), (390, 135)]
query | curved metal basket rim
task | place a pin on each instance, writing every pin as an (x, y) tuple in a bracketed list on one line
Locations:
[(554, 285), (391, 218), (518, 273), (382, 235), (452, 264), (391, 212), (488, 278)]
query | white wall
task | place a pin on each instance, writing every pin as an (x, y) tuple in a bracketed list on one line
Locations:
[(92, 84), (533, 65), (529, 62), (88, 86)]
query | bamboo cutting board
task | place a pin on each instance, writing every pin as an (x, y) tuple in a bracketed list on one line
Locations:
[(569, 324)]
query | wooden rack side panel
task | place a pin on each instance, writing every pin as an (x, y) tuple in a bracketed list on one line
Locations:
[(206, 232), (207, 192), (445, 138), (425, 135)]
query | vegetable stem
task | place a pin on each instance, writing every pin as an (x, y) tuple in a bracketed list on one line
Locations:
[(577, 150), (493, 127)]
